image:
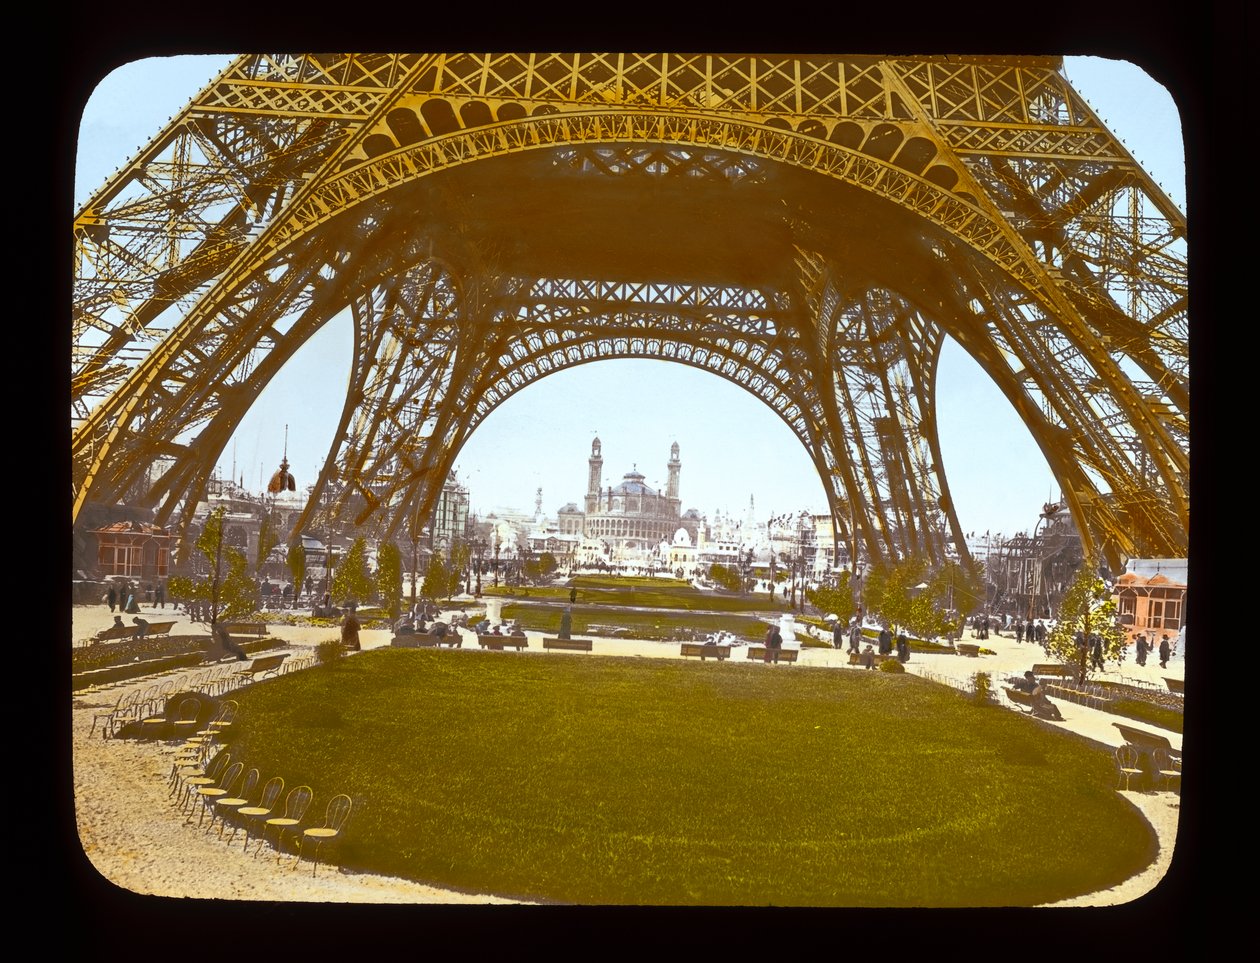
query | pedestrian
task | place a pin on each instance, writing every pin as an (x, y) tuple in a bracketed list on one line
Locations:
[(111, 597), (226, 643), (885, 641), (1096, 651), (142, 627), (868, 656), (286, 594), (1164, 652), (132, 608), (1019, 632), (573, 595), (148, 594), (837, 634), (160, 595), (855, 635), (774, 642), (903, 647), (566, 624), (350, 629), (1142, 649)]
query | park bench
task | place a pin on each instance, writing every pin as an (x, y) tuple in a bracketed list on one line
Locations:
[(1143, 740), (414, 640), (500, 642), (1055, 669), (720, 652), (116, 632), (1146, 744), (1024, 699), (1175, 685), (262, 667), (757, 651), (572, 645), (252, 629), (968, 649)]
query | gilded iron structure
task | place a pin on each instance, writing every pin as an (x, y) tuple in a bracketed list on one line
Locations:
[(810, 228)]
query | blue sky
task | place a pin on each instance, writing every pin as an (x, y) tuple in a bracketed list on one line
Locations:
[(732, 446)]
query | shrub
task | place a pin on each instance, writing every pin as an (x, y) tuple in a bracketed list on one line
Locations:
[(891, 665), (981, 685), (329, 651)]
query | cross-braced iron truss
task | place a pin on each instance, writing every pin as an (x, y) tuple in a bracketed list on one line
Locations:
[(809, 228)]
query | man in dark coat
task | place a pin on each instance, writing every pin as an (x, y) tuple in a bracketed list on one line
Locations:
[(566, 624), (1142, 649), (111, 597), (885, 641), (350, 629), (774, 642), (1165, 650)]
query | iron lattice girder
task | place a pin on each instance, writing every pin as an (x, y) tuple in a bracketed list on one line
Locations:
[(920, 134), (400, 435)]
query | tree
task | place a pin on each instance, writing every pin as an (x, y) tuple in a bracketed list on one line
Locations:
[(295, 559), (461, 556), (547, 562), (437, 579), (836, 601), (1087, 610), (229, 591), (890, 591), (957, 590), (351, 582), (268, 538), (725, 577), (389, 578)]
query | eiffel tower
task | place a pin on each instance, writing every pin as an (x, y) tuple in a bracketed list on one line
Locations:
[(810, 228)]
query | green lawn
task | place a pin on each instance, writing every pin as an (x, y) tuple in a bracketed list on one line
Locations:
[(589, 779), (639, 625), (643, 593)]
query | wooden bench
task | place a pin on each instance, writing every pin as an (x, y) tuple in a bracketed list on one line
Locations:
[(757, 651), (414, 640), (498, 643), (719, 652), (1144, 740), (117, 632), (1175, 685), (252, 629), (1022, 698), (1055, 669), (1146, 743), (968, 648), (572, 645), (262, 667)]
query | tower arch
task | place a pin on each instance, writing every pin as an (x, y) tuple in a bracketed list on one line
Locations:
[(875, 205)]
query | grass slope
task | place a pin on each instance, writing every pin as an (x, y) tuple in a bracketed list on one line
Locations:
[(587, 779)]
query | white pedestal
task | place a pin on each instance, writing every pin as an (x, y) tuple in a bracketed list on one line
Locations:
[(494, 611), (787, 628)]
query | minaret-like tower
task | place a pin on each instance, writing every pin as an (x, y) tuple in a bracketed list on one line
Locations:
[(594, 474), (674, 466)]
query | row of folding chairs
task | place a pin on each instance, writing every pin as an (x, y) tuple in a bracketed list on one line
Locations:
[(218, 790)]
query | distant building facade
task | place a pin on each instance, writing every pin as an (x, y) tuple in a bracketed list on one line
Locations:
[(1151, 596), (630, 519)]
